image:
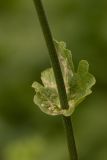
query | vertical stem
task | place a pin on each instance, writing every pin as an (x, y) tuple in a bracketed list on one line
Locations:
[(70, 138), (52, 53), (58, 76)]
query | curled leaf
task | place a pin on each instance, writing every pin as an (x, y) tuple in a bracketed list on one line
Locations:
[(78, 84)]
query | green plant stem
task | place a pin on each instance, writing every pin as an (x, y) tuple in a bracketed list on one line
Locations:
[(58, 77), (70, 138), (52, 53)]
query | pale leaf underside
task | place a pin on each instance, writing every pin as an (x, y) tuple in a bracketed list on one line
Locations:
[(78, 84)]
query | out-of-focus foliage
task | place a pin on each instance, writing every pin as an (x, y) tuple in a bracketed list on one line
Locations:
[(24, 149), (23, 55)]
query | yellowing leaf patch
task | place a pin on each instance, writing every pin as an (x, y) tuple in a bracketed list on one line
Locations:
[(77, 83)]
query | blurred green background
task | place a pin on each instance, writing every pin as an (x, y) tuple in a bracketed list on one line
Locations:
[(25, 132)]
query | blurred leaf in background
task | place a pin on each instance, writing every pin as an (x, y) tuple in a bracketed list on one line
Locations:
[(27, 148), (23, 55)]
